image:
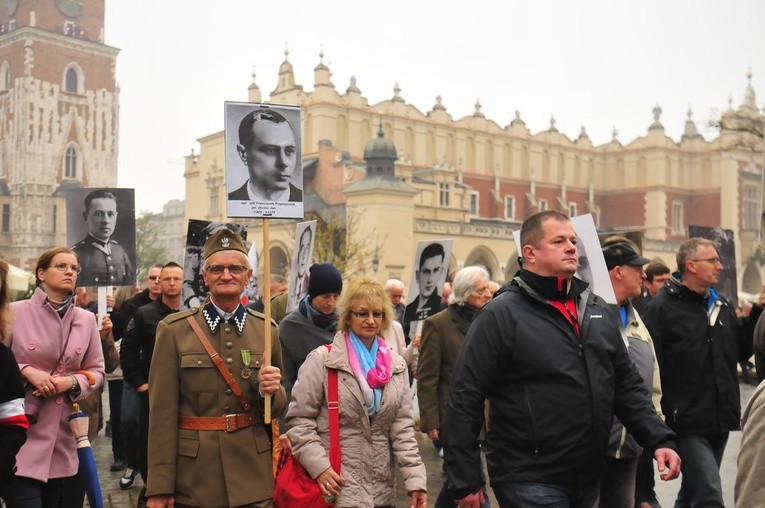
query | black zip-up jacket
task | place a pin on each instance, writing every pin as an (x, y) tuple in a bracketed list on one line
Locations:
[(697, 360), (138, 344), (552, 392)]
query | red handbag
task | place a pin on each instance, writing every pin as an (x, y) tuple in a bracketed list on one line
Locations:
[(293, 487)]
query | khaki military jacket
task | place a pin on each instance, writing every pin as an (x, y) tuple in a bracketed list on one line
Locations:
[(209, 468)]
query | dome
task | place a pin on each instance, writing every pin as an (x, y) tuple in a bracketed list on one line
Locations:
[(380, 148), (286, 66)]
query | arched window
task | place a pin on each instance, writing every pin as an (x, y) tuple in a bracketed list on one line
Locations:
[(5, 77), (70, 163), (74, 79)]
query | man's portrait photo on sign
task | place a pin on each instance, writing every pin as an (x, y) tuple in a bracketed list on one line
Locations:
[(302, 259), (264, 172), (592, 265), (428, 277), (101, 231), (194, 291)]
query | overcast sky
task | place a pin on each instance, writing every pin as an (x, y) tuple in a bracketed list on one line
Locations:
[(601, 64)]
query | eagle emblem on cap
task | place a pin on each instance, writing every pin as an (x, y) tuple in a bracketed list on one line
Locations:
[(225, 242)]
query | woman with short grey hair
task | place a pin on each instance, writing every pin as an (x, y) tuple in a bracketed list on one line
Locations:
[(465, 282)]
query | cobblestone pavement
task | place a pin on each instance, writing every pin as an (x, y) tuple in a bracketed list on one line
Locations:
[(667, 491)]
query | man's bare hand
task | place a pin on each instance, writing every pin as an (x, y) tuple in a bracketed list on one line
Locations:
[(269, 380), (667, 457)]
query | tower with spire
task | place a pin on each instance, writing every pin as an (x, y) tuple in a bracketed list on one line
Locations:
[(59, 118)]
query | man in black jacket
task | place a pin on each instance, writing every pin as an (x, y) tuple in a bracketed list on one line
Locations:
[(129, 400), (550, 360), (138, 347), (695, 332)]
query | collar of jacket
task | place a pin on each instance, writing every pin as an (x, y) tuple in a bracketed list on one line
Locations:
[(213, 318), (676, 289), (462, 316), (164, 306), (552, 288)]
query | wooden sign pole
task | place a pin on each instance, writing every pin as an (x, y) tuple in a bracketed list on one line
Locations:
[(267, 310)]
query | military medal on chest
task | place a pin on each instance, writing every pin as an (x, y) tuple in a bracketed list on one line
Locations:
[(246, 357)]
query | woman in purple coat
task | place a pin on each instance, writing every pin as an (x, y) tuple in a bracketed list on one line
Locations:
[(59, 353)]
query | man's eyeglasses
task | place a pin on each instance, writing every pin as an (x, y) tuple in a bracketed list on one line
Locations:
[(63, 267), (232, 269), (153, 277), (364, 314), (714, 261)]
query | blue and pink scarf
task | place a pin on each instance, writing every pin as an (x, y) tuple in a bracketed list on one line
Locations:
[(372, 368)]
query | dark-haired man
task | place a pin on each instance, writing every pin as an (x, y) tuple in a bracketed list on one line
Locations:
[(138, 346), (267, 147), (550, 360), (428, 301), (104, 262)]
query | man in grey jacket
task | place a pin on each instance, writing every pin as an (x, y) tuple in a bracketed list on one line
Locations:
[(625, 269)]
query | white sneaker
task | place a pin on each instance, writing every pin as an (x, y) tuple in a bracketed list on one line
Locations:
[(128, 478)]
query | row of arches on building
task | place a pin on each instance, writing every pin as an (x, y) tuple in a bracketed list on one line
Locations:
[(480, 255)]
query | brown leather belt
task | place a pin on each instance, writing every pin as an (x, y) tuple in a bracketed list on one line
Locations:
[(226, 423)]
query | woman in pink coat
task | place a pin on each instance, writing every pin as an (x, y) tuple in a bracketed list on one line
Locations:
[(59, 353)]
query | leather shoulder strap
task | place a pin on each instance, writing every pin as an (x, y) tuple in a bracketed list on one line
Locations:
[(218, 361), (333, 405)]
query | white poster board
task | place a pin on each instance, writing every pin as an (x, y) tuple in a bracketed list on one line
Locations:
[(264, 171)]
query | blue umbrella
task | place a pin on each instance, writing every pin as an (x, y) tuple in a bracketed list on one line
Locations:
[(78, 422)]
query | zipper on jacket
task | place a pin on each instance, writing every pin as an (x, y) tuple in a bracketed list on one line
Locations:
[(534, 441)]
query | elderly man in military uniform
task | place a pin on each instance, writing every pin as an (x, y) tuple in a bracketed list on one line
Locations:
[(208, 445), (104, 262)]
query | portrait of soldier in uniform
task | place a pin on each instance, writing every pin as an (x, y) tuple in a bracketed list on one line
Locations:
[(263, 165), (105, 260)]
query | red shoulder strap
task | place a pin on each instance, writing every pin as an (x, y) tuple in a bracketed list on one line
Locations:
[(335, 457)]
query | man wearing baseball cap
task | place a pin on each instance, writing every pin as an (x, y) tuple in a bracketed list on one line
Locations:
[(208, 445), (625, 269)]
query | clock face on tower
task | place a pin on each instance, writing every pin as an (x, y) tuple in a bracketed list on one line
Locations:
[(10, 6), (72, 8)]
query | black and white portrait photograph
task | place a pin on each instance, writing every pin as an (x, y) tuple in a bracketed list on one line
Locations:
[(194, 290), (592, 264), (101, 231), (431, 267), (725, 245), (251, 290), (302, 259), (264, 171)]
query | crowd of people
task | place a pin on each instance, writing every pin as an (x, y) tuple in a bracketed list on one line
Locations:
[(564, 399)]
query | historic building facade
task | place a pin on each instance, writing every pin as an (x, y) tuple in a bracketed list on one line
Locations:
[(171, 230), (474, 180), (59, 112)]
